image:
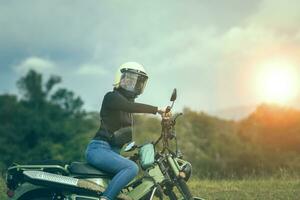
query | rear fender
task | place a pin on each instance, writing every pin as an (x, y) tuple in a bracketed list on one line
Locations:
[(24, 189)]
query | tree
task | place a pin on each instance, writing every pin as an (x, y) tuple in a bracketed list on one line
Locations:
[(43, 123)]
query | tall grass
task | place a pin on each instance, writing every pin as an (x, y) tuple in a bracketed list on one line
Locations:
[(248, 189)]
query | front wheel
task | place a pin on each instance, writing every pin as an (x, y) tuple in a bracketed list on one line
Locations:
[(171, 194)]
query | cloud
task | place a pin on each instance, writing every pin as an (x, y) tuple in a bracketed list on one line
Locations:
[(205, 48), (91, 70), (38, 64), (280, 16), (269, 34)]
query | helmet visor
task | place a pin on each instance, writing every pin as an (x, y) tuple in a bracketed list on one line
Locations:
[(133, 82)]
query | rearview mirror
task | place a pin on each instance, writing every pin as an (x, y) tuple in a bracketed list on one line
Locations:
[(174, 95)]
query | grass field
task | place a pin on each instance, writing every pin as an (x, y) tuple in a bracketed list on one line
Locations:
[(247, 189), (264, 189)]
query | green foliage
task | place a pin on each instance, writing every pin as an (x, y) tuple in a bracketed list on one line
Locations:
[(227, 149), (31, 88), (42, 124), (67, 100), (2, 189)]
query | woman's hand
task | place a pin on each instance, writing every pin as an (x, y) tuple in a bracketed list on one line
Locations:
[(161, 111)]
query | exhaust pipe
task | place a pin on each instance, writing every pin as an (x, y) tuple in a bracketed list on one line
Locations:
[(46, 179), (56, 180)]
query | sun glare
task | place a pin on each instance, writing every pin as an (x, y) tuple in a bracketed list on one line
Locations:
[(278, 82)]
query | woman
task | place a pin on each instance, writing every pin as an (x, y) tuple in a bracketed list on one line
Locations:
[(117, 107)]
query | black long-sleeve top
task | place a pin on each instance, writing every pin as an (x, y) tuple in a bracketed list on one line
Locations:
[(116, 112)]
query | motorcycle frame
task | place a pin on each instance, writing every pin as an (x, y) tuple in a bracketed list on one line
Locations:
[(150, 180)]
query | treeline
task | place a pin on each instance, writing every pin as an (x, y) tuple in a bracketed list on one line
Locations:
[(267, 143), (43, 124), (48, 122)]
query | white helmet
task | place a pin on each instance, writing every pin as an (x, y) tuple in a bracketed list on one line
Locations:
[(132, 77)]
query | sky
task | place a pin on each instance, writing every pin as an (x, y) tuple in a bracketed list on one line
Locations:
[(212, 51)]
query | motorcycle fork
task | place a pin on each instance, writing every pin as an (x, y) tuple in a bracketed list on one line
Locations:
[(174, 165)]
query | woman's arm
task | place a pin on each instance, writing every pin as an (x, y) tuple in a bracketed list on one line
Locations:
[(116, 101)]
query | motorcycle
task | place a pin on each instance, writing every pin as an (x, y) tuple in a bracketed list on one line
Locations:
[(164, 173)]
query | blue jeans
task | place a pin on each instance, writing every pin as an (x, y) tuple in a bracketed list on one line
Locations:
[(101, 155)]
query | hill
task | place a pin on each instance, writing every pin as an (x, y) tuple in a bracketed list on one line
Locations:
[(234, 113)]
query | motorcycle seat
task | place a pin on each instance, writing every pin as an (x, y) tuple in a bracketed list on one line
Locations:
[(83, 168), (47, 162)]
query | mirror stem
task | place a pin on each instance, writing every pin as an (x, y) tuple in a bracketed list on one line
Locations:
[(172, 104)]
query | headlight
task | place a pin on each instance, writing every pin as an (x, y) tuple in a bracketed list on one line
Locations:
[(186, 172)]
